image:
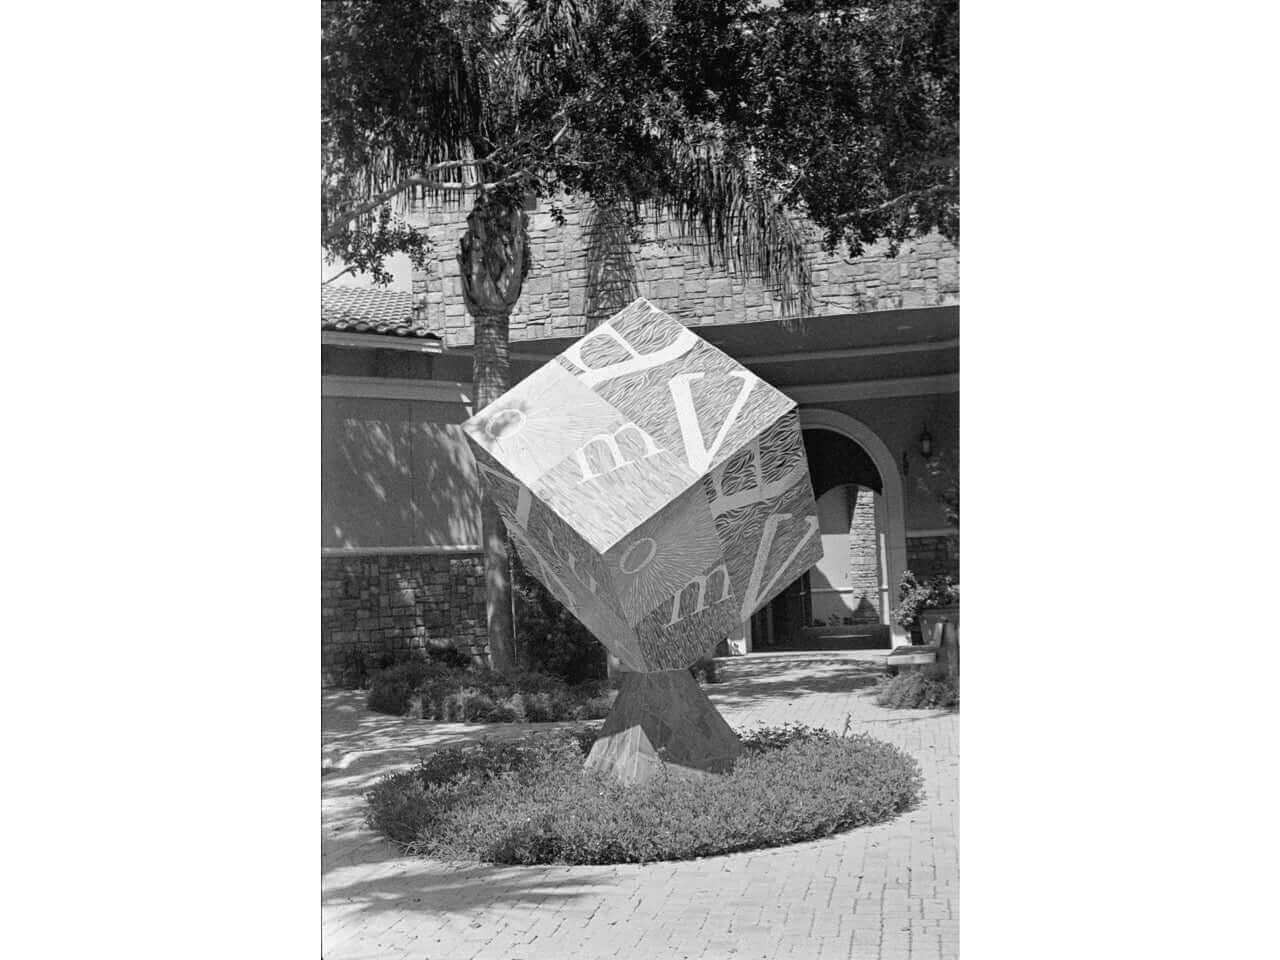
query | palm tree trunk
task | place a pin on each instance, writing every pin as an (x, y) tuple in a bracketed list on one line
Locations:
[(493, 262), (492, 374)]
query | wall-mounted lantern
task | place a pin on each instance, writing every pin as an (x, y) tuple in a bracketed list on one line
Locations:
[(926, 443)]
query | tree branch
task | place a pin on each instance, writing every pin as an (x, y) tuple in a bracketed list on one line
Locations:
[(347, 269), (339, 223), (896, 201)]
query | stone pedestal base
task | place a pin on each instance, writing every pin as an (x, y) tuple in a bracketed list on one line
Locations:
[(663, 719), (949, 653)]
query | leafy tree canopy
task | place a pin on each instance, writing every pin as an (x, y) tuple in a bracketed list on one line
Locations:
[(718, 115)]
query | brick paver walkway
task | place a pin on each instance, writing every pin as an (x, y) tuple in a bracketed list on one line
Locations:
[(888, 892)]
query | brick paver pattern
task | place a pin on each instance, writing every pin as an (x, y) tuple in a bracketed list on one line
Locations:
[(888, 892)]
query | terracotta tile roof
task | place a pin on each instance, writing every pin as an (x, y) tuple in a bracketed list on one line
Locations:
[(370, 310)]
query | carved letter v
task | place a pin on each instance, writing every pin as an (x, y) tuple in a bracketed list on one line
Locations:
[(700, 457)]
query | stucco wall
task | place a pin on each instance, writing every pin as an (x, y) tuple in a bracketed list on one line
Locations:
[(831, 573), (845, 583), (675, 277), (898, 422), (397, 473)]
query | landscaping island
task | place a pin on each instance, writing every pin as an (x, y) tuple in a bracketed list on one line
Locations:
[(530, 801)]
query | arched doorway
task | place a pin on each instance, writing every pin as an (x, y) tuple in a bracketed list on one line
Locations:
[(849, 596)]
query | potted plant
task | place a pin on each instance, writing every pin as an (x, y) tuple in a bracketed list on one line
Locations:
[(942, 606), (927, 604), (939, 602)]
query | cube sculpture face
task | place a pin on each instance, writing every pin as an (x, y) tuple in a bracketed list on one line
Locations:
[(657, 488)]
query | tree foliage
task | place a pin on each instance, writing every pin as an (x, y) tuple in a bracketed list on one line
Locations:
[(853, 110), (719, 117)]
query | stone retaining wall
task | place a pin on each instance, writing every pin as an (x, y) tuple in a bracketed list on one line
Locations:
[(399, 603)]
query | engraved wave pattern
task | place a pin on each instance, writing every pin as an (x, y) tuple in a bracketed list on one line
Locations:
[(646, 398), (780, 451), (742, 533), (546, 526), (671, 647)]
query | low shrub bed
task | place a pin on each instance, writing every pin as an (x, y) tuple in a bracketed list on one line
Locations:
[(914, 689), (352, 669), (531, 801), (431, 690)]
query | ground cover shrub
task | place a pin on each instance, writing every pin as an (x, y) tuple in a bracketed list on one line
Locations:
[(352, 669), (763, 738), (914, 689), (391, 688), (431, 690), (530, 801)]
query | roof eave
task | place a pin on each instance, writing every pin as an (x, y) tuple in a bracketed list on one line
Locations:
[(382, 341)]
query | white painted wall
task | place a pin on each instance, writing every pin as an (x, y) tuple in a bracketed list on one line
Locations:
[(831, 573)]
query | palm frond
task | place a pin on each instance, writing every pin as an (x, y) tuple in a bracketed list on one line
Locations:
[(563, 20), (611, 266), (714, 199), (403, 91)]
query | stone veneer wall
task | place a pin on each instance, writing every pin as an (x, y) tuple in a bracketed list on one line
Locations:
[(934, 556), (864, 557), (399, 602), (555, 301)]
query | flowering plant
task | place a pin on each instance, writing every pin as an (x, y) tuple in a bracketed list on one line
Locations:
[(915, 595)]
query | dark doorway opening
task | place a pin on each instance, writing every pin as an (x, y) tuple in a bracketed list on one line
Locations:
[(839, 603)]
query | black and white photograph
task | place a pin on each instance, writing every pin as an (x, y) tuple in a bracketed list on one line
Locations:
[(640, 586)]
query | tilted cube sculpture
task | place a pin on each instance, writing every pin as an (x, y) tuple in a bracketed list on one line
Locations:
[(660, 491)]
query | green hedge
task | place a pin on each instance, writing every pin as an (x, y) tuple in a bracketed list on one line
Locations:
[(530, 801)]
